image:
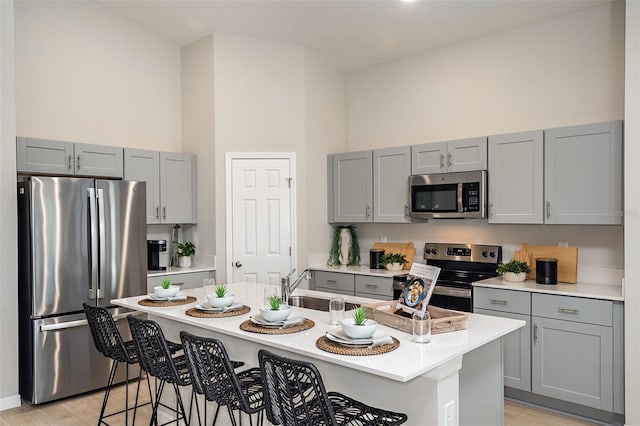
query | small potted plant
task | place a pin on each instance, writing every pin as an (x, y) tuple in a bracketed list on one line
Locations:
[(166, 289), (359, 326), (514, 270), (221, 297), (275, 310), (393, 261), (185, 251)]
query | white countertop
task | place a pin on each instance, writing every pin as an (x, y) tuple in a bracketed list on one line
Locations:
[(591, 291), (403, 364), (361, 270), (175, 270)]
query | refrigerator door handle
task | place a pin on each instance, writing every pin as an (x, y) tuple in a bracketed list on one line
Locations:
[(93, 244), (102, 238), (63, 325)]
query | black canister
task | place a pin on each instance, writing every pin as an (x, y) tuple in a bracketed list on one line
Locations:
[(375, 258), (546, 270)]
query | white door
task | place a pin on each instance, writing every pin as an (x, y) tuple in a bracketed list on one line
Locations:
[(261, 201)]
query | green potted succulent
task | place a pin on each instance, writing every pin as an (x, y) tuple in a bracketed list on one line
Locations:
[(393, 261), (275, 310), (359, 326), (221, 297), (514, 270), (166, 289), (185, 252)]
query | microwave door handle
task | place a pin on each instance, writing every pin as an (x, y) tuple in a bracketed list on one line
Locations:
[(93, 244), (460, 207)]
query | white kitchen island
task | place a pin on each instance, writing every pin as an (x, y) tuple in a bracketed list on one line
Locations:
[(455, 379)]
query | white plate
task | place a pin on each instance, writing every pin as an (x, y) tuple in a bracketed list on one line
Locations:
[(338, 336), (179, 296), (205, 306), (291, 321)]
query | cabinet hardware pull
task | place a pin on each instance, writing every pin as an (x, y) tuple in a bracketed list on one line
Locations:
[(441, 160), (535, 333), (449, 160), (164, 212), (491, 209), (498, 302), (371, 285), (368, 212), (568, 310), (69, 162), (548, 209), (157, 212), (332, 281), (406, 210), (78, 163)]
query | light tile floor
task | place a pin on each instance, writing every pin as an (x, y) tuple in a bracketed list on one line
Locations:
[(85, 409)]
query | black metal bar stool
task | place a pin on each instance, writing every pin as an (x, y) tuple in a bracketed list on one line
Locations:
[(213, 375), (157, 360), (295, 396), (109, 343)]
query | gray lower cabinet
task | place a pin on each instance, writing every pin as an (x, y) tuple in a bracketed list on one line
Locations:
[(353, 284), (516, 345), (571, 348), (188, 280), (334, 282)]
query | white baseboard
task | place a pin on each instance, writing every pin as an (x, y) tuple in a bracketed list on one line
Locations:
[(12, 401)]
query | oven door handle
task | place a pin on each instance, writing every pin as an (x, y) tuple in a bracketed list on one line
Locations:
[(450, 291)]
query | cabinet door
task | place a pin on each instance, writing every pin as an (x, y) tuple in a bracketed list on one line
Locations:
[(573, 362), (516, 348), (98, 160), (516, 178), (391, 170), (177, 188), (429, 158), (334, 282), (467, 155), (374, 287), (44, 156), (583, 174), (142, 165), (353, 187)]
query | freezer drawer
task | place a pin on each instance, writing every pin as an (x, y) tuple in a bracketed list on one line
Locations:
[(64, 360)]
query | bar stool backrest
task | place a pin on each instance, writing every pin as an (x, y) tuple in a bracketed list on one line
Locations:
[(294, 392), (106, 335), (153, 353)]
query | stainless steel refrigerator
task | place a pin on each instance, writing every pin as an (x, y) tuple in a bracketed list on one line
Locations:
[(80, 240)]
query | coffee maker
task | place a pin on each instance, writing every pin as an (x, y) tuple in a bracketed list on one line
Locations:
[(154, 248)]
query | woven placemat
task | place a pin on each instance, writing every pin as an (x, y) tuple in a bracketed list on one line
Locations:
[(166, 303), (254, 328), (336, 348), (199, 313)]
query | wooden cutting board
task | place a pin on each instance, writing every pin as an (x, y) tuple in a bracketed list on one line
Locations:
[(567, 260), (407, 249)]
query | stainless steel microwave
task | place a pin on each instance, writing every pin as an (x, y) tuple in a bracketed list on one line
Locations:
[(448, 195)]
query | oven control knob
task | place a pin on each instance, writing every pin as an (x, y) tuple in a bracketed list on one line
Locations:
[(492, 254), (434, 251), (485, 254)]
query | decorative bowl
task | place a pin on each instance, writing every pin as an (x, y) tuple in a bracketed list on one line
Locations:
[(166, 292), (220, 302), (515, 277), (359, 331), (272, 316), (394, 266)]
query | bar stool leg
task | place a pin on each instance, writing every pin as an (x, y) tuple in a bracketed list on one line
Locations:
[(107, 392)]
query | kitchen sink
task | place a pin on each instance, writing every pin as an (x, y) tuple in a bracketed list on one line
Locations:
[(315, 303)]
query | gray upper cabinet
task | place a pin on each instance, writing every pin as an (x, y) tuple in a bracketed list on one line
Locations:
[(583, 174), (516, 178), (452, 156), (67, 158), (171, 184), (352, 187), (391, 169)]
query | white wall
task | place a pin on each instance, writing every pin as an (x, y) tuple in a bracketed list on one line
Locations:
[(198, 138), (8, 259), (85, 74), (632, 216), (565, 71), (262, 105)]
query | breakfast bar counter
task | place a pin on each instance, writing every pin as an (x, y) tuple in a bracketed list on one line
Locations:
[(457, 375)]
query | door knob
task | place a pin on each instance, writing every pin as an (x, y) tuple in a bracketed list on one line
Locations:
[(238, 264)]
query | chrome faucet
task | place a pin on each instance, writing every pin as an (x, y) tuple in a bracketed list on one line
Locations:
[(288, 286)]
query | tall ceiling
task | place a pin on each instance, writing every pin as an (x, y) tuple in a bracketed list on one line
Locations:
[(351, 33)]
